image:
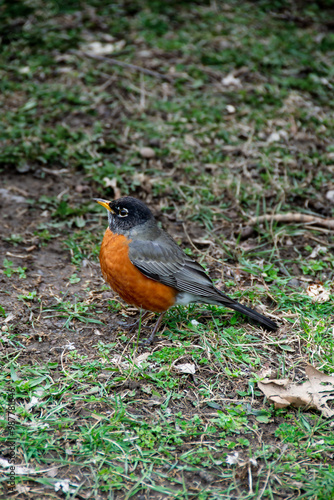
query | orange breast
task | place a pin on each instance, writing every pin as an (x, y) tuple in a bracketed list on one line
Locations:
[(127, 281)]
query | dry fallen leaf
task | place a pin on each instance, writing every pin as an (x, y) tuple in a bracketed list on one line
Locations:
[(112, 183), (22, 489), (277, 136), (32, 403), (233, 459), (317, 250), (186, 368), (117, 360), (103, 49), (189, 140), (139, 360), (9, 318), (19, 470), (52, 472), (317, 293), (265, 372), (236, 459), (231, 81), (312, 394), (64, 486)]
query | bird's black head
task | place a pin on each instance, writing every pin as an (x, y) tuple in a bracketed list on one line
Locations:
[(125, 213)]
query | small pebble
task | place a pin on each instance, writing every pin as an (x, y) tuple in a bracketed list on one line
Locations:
[(23, 168), (246, 232), (330, 196), (147, 152), (294, 283), (230, 109)]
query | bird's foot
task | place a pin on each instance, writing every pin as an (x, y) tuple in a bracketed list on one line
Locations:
[(132, 326), (150, 339)]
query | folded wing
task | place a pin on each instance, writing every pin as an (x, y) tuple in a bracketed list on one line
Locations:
[(170, 266)]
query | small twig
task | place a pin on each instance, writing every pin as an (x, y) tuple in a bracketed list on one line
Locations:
[(59, 172), (250, 480), (293, 217), (123, 64), (19, 256), (265, 483), (190, 240)]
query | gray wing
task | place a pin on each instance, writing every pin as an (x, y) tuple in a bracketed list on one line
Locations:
[(162, 260), (170, 266)]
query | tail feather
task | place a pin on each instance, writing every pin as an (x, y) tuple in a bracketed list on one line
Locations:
[(247, 311)]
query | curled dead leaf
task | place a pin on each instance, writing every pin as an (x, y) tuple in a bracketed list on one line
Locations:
[(317, 250), (190, 141), (103, 49), (233, 459), (186, 368), (313, 393), (113, 184), (139, 360), (318, 293), (231, 81)]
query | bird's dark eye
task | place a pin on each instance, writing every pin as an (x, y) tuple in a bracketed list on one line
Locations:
[(123, 212)]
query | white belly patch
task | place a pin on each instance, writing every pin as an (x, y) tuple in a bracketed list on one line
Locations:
[(184, 298)]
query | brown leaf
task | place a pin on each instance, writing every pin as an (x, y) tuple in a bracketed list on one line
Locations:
[(52, 472), (113, 184), (318, 293), (312, 394), (186, 368)]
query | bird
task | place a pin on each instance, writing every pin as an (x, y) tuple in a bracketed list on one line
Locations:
[(144, 265)]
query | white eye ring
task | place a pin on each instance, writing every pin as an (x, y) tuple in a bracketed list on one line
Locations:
[(123, 212)]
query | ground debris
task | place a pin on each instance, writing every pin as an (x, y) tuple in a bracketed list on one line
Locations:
[(311, 394), (318, 293)]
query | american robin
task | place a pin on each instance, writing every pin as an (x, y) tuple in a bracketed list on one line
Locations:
[(147, 269)]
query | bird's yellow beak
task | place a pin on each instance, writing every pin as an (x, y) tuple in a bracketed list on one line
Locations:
[(104, 203)]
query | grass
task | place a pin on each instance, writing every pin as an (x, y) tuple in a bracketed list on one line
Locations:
[(242, 126), (9, 270), (125, 421)]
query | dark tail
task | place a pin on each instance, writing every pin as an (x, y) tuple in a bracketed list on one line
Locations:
[(247, 311)]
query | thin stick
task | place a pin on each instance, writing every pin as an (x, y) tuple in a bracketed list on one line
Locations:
[(123, 64), (293, 217)]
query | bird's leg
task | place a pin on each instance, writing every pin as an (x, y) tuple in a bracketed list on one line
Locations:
[(149, 340), (132, 326)]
